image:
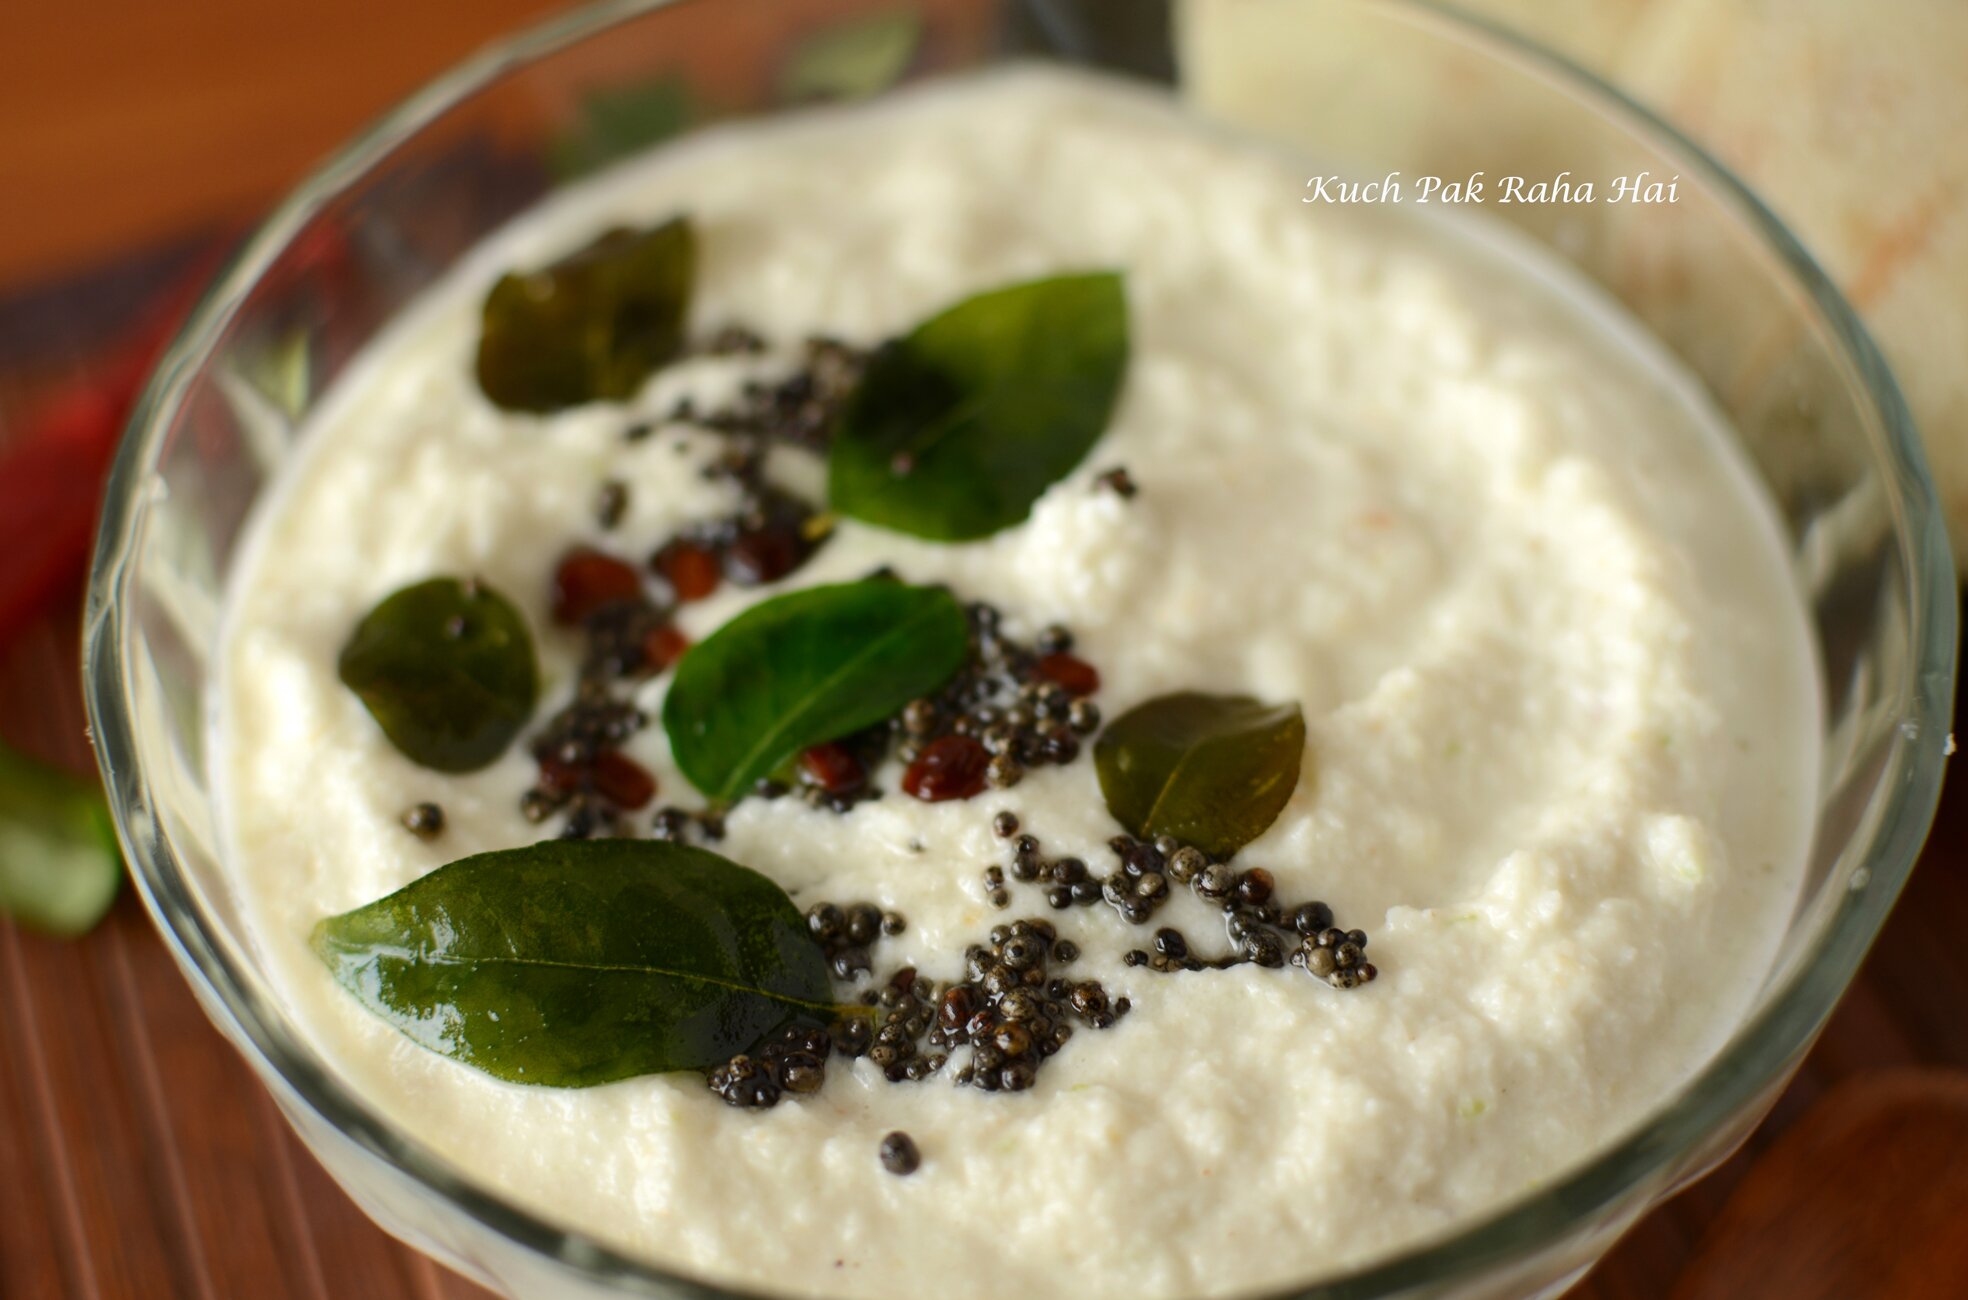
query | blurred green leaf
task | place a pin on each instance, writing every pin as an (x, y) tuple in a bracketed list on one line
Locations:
[(853, 60), (59, 864), (592, 326), (620, 120), (281, 370)]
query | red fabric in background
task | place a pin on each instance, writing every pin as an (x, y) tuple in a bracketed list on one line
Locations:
[(51, 475)]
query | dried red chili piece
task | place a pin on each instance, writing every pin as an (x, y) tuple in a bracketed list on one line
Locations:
[(586, 580), (952, 767), (1074, 674), (690, 569), (832, 767), (558, 777), (662, 646), (766, 554), (621, 780)]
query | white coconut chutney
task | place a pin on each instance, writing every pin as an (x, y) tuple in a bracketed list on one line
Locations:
[(1561, 703)]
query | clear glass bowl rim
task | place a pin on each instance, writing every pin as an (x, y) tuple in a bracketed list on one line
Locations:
[(1651, 1156)]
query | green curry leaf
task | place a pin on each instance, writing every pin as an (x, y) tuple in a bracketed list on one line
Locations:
[(575, 962), (615, 121), (446, 668), (592, 326), (803, 668), (960, 425), (852, 60), (1211, 770)]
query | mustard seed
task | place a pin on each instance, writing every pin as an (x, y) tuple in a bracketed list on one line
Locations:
[(1118, 481), (1254, 886), (611, 502), (1021, 953), (1013, 1040), (863, 923), (919, 718), (1311, 918), (1186, 863), (1215, 881), (899, 1155), (424, 820), (1003, 772)]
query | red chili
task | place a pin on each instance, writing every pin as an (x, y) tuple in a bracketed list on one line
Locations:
[(558, 778), (48, 489), (951, 767), (764, 556), (51, 476), (622, 781), (662, 646), (691, 570), (1073, 673), (957, 1008), (832, 767), (586, 580)]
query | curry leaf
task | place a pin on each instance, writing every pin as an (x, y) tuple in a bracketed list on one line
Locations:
[(575, 962), (592, 326), (852, 60), (615, 121), (446, 669), (1211, 770), (59, 864), (960, 425), (803, 668)]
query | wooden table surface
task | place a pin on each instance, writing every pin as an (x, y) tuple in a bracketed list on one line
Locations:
[(138, 1156)]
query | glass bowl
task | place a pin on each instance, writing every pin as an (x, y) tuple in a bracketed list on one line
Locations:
[(1368, 89)]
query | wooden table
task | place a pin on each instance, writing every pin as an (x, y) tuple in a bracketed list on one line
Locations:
[(139, 1158)]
